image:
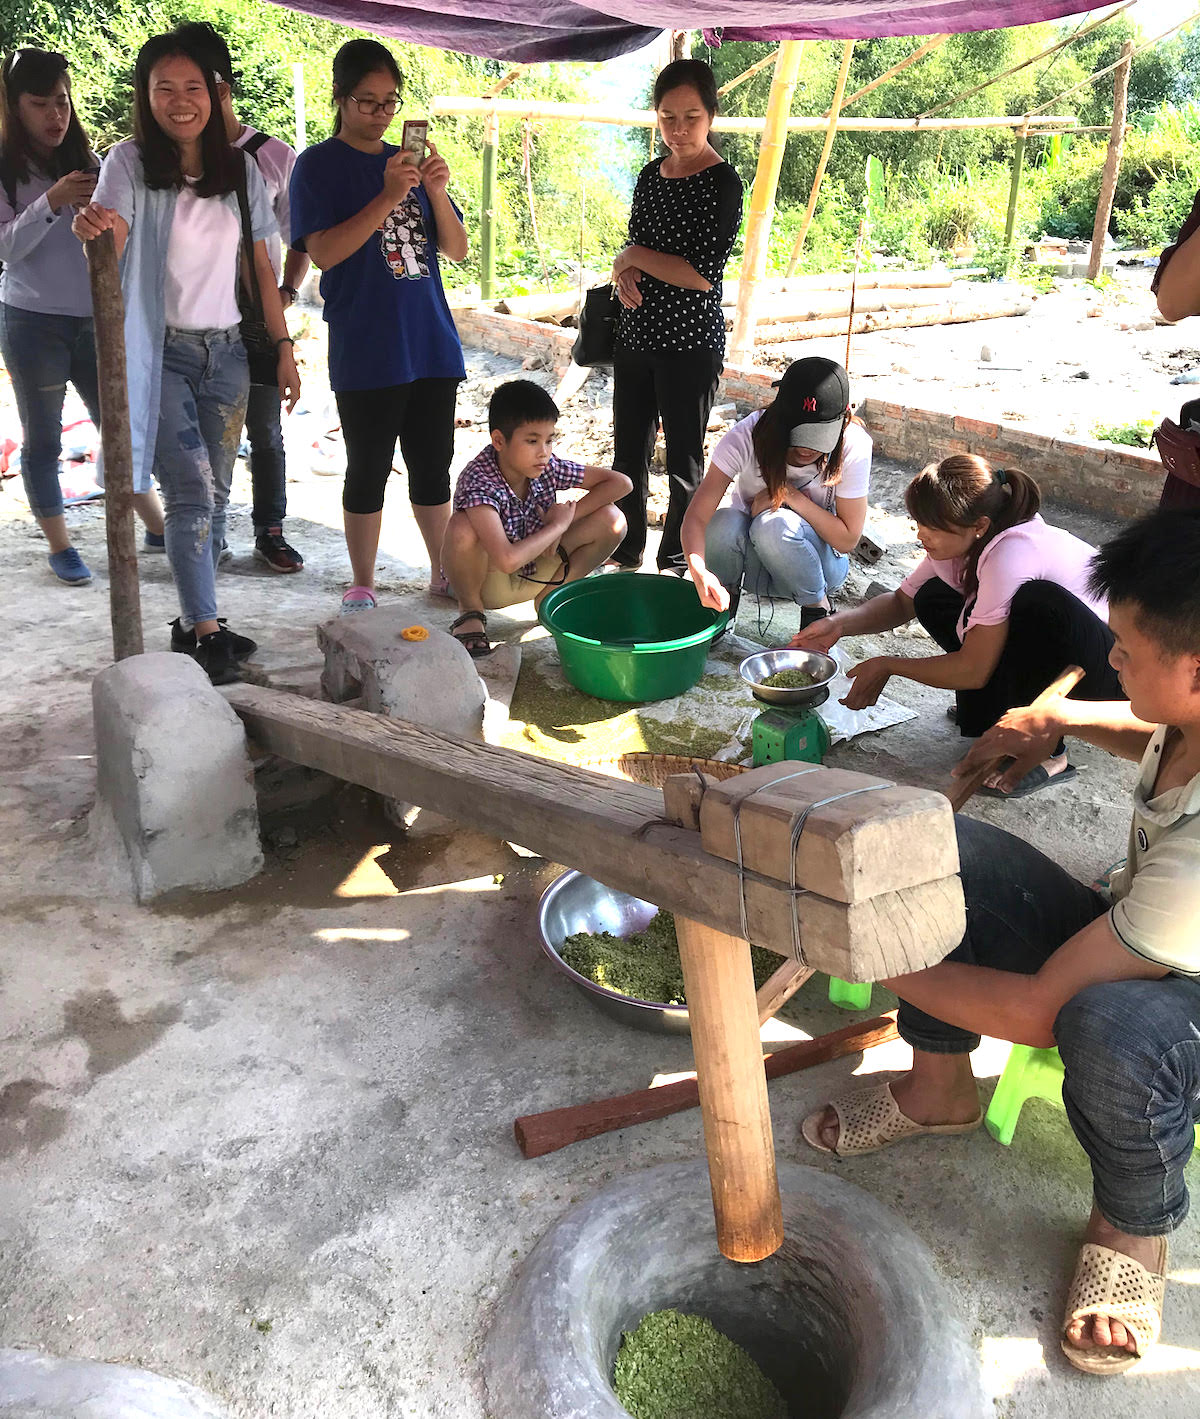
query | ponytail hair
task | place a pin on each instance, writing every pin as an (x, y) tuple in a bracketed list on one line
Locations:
[(954, 494), (771, 442)]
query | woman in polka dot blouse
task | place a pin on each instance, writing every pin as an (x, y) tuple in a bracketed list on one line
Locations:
[(670, 345)]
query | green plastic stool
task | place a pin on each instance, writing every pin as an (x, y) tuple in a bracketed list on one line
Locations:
[(1029, 1073), (849, 995)]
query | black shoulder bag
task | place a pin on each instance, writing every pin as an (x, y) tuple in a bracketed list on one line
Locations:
[(262, 353), (596, 341)]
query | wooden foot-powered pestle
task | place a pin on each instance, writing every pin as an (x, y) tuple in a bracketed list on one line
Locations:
[(961, 789)]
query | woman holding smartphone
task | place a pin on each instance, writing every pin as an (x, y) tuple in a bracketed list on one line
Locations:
[(374, 219), (47, 169), (171, 199)]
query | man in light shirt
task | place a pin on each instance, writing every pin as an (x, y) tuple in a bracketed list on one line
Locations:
[(1112, 980), (264, 430)]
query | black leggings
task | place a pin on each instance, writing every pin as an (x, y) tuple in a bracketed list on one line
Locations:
[(421, 416), (677, 389), (1049, 628)]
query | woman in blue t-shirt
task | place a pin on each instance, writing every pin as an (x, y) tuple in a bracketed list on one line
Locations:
[(374, 220)]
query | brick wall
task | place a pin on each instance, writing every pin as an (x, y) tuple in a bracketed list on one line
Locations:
[(1124, 482)]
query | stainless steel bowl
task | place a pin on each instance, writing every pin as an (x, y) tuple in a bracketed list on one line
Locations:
[(574, 903), (757, 668)]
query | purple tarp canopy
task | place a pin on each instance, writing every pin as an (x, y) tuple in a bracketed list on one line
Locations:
[(533, 31)]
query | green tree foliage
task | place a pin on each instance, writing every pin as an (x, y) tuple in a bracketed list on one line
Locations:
[(572, 165)]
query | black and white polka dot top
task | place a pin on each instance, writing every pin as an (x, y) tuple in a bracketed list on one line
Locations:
[(695, 217)]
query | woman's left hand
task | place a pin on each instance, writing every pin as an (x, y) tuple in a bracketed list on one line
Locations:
[(628, 292), (435, 171), (868, 682), (761, 503), (288, 377), (622, 261)]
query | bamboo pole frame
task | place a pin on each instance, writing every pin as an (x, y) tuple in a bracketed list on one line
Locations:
[(762, 197), (446, 104), (919, 53), (755, 68), (835, 109), (1112, 161), (1040, 112), (487, 216), (1025, 63)]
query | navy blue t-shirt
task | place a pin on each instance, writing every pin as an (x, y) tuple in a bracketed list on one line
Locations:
[(388, 318)]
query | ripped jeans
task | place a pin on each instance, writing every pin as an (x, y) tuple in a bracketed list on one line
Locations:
[(205, 384)]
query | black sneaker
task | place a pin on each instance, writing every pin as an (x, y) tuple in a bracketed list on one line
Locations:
[(214, 655), (271, 547), (240, 647)]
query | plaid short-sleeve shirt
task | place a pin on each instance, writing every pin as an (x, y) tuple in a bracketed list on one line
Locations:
[(481, 484)]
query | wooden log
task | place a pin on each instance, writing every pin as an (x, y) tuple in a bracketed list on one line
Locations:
[(719, 984), (956, 314), (762, 198), (108, 312), (539, 1134), (880, 837), (830, 305), (961, 789), (550, 304), (1112, 162), (867, 281), (835, 109), (608, 829), (779, 987)]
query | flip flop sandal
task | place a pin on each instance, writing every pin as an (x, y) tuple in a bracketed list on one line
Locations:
[(869, 1119), (1034, 781), (1108, 1283), (440, 586), (475, 643)]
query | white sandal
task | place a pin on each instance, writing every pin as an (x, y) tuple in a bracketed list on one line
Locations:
[(1109, 1283), (869, 1119)]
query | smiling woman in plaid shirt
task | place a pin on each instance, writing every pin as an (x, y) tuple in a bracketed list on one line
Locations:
[(509, 539)]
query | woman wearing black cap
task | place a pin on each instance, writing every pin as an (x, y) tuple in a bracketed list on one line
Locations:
[(670, 343), (800, 470)]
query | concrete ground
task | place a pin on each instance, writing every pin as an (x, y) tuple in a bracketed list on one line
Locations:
[(261, 1140)]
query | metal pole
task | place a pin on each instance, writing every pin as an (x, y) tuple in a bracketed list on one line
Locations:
[(108, 312), (487, 224), (1014, 191)]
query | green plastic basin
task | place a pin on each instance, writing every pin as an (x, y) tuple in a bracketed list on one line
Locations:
[(630, 637)]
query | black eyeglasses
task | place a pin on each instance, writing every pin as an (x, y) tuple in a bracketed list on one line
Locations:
[(369, 107)]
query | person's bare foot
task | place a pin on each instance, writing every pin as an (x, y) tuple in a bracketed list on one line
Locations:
[(940, 1089), (1101, 1332), (1053, 766)]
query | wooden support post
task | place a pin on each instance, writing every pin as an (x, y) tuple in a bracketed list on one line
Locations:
[(719, 983), (108, 313), (835, 110), (762, 198), (487, 220), (1112, 161), (1014, 192)]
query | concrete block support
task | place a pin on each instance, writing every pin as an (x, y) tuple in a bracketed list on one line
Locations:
[(173, 771)]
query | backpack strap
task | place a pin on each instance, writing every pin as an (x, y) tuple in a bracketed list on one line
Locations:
[(254, 143)]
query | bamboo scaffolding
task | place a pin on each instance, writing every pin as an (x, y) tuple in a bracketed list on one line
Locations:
[(762, 198), (1112, 161), (498, 88), (445, 104), (816, 305), (930, 44), (1025, 63), (756, 68), (1040, 112), (835, 109)]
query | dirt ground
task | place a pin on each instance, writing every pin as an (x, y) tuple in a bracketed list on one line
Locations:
[(261, 1139)]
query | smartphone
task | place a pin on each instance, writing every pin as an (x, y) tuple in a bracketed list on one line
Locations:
[(413, 137)]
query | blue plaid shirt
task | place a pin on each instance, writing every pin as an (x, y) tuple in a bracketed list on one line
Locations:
[(481, 484)]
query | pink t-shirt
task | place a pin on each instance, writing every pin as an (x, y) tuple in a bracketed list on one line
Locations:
[(1031, 551)]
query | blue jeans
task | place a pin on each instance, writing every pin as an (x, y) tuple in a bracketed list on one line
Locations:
[(776, 554), (205, 381), (268, 466), (41, 353), (1130, 1049)]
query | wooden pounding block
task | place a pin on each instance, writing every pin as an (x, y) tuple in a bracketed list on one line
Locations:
[(850, 850), (682, 795), (891, 934)]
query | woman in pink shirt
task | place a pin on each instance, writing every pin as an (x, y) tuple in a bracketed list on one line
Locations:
[(1003, 593)]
